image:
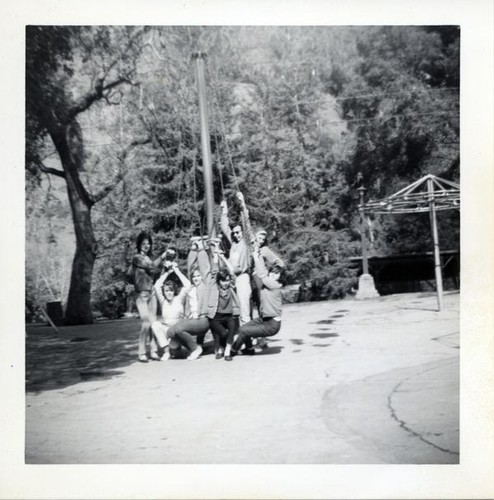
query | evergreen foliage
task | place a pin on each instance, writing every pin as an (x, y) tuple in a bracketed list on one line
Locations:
[(299, 118)]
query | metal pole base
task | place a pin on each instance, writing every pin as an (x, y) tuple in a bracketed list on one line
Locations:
[(366, 288)]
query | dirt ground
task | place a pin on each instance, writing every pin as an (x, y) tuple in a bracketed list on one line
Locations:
[(344, 382)]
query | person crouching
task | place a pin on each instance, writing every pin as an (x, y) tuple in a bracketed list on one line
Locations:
[(269, 321)]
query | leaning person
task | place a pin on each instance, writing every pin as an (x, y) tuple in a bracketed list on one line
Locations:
[(269, 321)]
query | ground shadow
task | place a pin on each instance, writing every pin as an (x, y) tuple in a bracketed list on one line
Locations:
[(431, 309), (79, 354), (323, 335), (270, 350)]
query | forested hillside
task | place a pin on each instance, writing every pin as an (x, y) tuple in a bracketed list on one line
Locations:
[(299, 118)]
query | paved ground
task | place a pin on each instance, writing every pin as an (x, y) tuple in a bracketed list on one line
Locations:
[(343, 382)]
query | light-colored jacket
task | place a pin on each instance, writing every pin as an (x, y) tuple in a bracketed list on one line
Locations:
[(269, 290)]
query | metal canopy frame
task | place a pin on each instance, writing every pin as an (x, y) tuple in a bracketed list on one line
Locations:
[(428, 194)]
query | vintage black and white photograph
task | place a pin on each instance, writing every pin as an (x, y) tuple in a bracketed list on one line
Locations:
[(242, 244), (247, 249)]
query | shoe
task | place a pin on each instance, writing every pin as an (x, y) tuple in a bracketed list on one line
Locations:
[(166, 355), (195, 353), (219, 355), (229, 358), (262, 343), (154, 357), (143, 358)]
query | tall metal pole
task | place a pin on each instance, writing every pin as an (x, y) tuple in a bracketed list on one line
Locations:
[(435, 239), (365, 263), (199, 58)]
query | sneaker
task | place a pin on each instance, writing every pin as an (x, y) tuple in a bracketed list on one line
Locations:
[(219, 355), (166, 355), (195, 353), (154, 356), (143, 358)]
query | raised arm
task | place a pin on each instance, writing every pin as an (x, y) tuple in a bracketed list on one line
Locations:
[(185, 282), (158, 286), (227, 264), (245, 219), (224, 222), (198, 258), (146, 263)]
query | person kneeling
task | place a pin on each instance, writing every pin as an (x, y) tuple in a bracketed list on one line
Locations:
[(269, 321)]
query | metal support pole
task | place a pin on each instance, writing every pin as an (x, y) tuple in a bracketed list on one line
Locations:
[(437, 255), (365, 263), (199, 58)]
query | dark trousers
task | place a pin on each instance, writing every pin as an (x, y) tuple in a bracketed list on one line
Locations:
[(259, 327), (224, 327), (186, 331)]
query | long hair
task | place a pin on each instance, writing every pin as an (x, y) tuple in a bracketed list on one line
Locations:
[(143, 235)]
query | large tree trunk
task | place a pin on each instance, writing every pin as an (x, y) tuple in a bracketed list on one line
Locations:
[(68, 142)]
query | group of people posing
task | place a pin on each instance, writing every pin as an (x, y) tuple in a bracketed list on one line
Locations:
[(226, 286)]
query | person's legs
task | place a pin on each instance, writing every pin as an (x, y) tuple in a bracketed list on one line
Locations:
[(200, 339), (159, 334), (185, 331), (242, 285), (255, 302), (254, 329), (159, 338), (146, 306), (231, 324), (219, 333), (243, 334)]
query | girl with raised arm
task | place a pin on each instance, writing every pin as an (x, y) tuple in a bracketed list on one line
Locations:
[(172, 304), (190, 331), (144, 270), (222, 305)]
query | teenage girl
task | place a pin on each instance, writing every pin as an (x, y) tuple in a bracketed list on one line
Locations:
[(172, 305), (144, 270)]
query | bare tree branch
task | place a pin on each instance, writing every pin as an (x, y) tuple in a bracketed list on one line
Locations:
[(48, 170), (99, 88)]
